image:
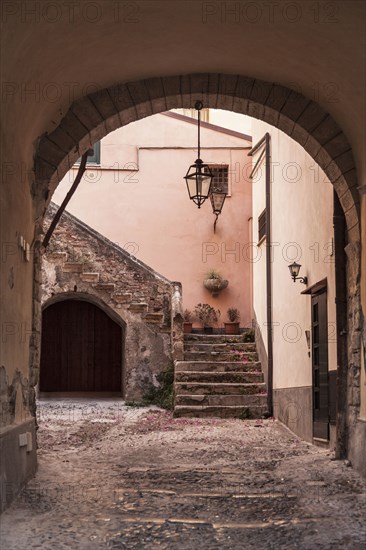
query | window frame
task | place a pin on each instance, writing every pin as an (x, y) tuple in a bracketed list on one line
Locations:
[(95, 159), (226, 183)]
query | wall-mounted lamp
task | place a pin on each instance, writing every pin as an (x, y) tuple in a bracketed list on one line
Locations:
[(217, 197), (199, 176), (295, 270)]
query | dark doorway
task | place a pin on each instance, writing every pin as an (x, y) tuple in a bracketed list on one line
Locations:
[(82, 349), (319, 323)]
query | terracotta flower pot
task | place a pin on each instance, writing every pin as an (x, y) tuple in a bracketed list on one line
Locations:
[(232, 328), (187, 327)]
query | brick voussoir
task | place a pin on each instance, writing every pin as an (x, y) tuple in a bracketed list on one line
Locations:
[(295, 105), (72, 126), (271, 116), (172, 88), (156, 93), (261, 91), (51, 152), (312, 146), (102, 102), (85, 110), (277, 97), (140, 98), (63, 140), (227, 91), (326, 131), (312, 117)]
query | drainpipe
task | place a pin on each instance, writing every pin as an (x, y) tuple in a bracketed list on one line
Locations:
[(265, 144), (250, 233), (66, 200)]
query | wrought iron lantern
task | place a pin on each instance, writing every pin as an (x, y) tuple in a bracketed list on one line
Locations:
[(199, 176), (217, 198), (294, 271)]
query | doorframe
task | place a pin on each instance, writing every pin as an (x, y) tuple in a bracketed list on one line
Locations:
[(82, 296), (320, 289)]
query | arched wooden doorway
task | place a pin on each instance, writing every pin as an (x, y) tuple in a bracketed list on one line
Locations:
[(82, 349)]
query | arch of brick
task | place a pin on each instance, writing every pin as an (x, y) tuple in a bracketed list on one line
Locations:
[(92, 117)]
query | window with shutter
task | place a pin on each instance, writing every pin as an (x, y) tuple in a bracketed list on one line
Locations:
[(262, 225)]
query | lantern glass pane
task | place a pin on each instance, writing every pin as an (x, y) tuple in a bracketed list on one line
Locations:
[(217, 201), (294, 269), (203, 184), (191, 184)]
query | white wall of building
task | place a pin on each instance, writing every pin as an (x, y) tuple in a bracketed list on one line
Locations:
[(302, 231)]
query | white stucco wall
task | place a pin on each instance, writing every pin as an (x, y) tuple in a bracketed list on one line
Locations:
[(302, 231)]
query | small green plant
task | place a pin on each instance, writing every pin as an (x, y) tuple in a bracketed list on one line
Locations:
[(213, 274), (249, 335), (187, 316), (162, 396), (246, 414), (207, 314), (233, 314)]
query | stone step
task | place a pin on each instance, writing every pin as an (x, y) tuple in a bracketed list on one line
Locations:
[(107, 287), (219, 412), (154, 318), (122, 297), (239, 356), (222, 400), (214, 338), (219, 388), (72, 267), (218, 366), (58, 256), (89, 277), (225, 377), (238, 346), (138, 307)]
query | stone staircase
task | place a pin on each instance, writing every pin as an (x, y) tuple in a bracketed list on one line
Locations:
[(219, 377)]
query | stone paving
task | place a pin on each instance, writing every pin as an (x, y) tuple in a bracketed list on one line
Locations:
[(111, 476)]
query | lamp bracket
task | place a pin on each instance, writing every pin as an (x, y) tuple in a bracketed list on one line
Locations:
[(303, 280), (198, 105)]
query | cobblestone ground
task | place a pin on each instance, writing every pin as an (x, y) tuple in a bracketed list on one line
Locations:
[(116, 477)]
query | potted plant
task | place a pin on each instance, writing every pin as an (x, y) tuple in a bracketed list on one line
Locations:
[(187, 321), (232, 327), (214, 282), (208, 316)]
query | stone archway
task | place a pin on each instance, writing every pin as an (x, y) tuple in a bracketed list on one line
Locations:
[(92, 117)]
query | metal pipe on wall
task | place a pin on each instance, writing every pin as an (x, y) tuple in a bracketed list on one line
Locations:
[(265, 142)]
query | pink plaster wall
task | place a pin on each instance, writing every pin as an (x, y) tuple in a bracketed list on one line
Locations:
[(144, 206)]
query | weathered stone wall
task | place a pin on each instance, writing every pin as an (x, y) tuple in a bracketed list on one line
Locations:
[(79, 263)]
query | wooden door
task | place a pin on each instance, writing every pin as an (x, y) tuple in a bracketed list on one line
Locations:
[(320, 366), (81, 349)]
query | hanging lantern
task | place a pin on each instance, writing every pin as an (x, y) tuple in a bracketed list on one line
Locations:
[(199, 176)]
